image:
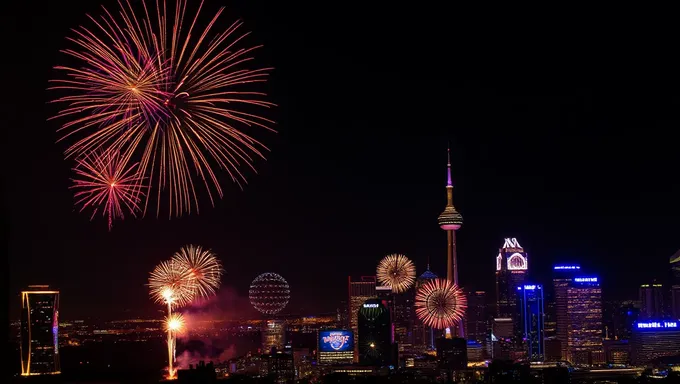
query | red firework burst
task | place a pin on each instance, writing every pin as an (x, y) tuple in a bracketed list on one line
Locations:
[(156, 89), (440, 304), (105, 183)]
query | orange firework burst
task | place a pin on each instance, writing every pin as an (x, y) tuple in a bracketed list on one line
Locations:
[(175, 322), (202, 267), (396, 271), (105, 182), (172, 284), (174, 98), (440, 304)]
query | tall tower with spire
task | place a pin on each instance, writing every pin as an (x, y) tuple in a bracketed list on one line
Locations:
[(450, 221)]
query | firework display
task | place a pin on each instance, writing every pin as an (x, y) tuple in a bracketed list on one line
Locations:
[(202, 267), (396, 271), (191, 273), (175, 100), (269, 293), (440, 304), (104, 182)]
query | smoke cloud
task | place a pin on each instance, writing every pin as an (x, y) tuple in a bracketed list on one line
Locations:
[(207, 337)]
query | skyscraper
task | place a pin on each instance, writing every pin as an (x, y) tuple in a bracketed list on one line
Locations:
[(273, 335), (39, 331), (563, 274), (511, 269), (584, 320), (532, 320), (651, 301), (375, 334), (422, 334), (450, 221), (359, 292), (477, 317)]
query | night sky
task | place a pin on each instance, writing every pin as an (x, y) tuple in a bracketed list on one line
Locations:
[(563, 140)]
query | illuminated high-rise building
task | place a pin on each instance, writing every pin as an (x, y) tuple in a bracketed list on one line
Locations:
[(273, 335), (450, 221), (651, 301), (359, 291), (532, 320), (376, 337), (563, 275), (584, 320), (511, 269), (422, 334), (39, 331)]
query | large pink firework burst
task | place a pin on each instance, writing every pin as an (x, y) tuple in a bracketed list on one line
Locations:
[(178, 100), (440, 303), (105, 183)]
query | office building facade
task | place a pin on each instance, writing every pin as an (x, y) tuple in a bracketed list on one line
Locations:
[(584, 321), (653, 339), (376, 337), (563, 274), (512, 265), (40, 331), (532, 320), (359, 291), (652, 301)]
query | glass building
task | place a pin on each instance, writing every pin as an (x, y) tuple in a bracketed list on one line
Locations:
[(376, 334), (584, 321), (532, 320), (273, 335), (563, 274), (39, 331), (359, 291), (512, 266), (652, 301)]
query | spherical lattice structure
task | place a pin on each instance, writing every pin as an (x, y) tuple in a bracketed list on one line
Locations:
[(269, 293), (440, 303)]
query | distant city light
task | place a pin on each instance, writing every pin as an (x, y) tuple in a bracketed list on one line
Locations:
[(530, 287), (657, 324), (568, 267), (371, 305), (585, 279)]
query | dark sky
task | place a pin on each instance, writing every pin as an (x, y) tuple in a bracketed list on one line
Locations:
[(566, 138)]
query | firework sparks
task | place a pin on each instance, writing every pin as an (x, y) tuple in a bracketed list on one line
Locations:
[(105, 183), (175, 323), (174, 98), (440, 304), (396, 271), (202, 267), (172, 284)]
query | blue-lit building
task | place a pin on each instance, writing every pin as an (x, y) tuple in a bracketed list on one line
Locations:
[(532, 320), (653, 339)]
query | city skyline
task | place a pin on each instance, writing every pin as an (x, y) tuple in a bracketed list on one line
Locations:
[(558, 170)]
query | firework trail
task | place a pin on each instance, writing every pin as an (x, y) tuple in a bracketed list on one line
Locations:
[(396, 271), (440, 304), (104, 182), (203, 268), (153, 87), (191, 273)]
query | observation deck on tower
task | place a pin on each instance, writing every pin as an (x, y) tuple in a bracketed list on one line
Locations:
[(450, 219)]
